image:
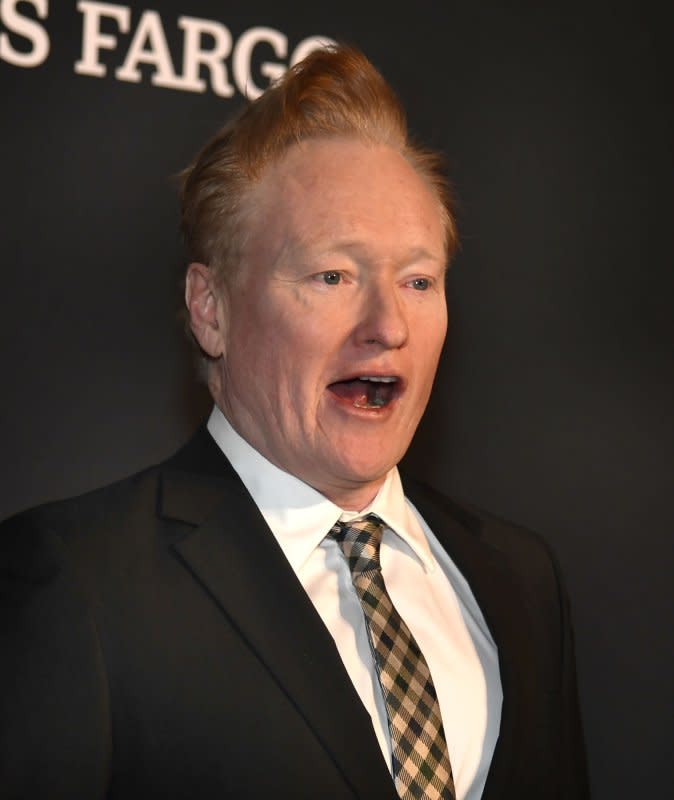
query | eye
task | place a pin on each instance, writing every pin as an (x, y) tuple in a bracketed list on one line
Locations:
[(420, 284), (331, 277)]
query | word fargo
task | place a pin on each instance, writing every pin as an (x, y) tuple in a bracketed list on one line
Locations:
[(211, 58)]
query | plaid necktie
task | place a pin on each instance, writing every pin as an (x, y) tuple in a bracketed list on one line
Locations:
[(421, 767)]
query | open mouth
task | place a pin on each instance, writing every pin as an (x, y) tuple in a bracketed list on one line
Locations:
[(368, 391)]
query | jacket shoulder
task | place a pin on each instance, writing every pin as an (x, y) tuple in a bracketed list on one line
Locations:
[(32, 541), (118, 521), (524, 550)]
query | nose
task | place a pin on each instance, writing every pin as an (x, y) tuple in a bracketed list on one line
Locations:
[(383, 320)]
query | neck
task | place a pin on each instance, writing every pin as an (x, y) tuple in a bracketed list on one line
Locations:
[(352, 499)]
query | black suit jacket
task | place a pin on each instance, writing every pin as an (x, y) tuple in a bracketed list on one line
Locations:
[(156, 643)]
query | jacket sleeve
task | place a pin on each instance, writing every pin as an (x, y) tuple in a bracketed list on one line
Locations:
[(54, 710)]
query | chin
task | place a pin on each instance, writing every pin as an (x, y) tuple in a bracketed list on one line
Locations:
[(367, 470)]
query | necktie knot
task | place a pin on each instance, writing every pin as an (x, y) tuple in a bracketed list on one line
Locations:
[(360, 541)]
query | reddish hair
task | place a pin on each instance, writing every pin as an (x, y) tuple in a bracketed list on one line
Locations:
[(334, 91)]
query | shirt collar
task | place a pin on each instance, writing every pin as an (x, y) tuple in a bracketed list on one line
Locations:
[(298, 515)]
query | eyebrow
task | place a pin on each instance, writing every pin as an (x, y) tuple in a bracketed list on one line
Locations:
[(360, 251)]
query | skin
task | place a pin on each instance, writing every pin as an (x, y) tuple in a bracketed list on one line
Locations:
[(342, 276)]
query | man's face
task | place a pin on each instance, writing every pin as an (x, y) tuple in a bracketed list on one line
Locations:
[(336, 321)]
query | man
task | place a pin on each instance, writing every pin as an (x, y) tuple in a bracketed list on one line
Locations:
[(272, 612)]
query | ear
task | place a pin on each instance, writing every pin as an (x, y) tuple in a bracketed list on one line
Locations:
[(206, 309)]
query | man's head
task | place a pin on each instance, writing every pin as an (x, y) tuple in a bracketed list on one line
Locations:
[(319, 238)]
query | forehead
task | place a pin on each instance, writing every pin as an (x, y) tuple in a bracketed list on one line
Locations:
[(334, 192)]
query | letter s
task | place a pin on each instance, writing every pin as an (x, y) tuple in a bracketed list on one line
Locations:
[(28, 29)]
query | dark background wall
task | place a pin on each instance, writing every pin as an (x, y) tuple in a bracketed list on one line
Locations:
[(554, 399)]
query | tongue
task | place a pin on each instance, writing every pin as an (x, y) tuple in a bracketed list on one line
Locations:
[(363, 394)]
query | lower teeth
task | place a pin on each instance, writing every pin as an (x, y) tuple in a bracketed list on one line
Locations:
[(376, 402)]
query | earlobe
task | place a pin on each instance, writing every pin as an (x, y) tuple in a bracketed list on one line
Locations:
[(204, 303)]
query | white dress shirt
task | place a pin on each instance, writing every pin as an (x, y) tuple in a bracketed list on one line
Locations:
[(425, 586)]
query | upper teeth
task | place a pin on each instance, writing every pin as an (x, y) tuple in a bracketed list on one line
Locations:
[(378, 378)]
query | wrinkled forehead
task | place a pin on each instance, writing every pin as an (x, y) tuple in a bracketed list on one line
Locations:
[(327, 191)]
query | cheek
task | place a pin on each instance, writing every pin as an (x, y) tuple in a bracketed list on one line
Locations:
[(437, 343), (430, 342), (249, 357), (276, 359)]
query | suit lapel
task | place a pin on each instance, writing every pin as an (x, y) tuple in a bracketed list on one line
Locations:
[(506, 612), (236, 558)]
